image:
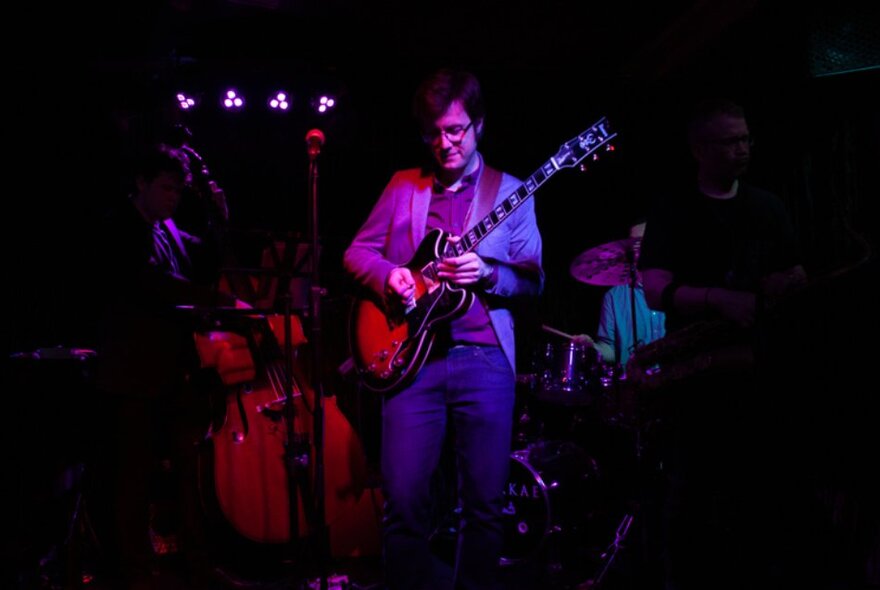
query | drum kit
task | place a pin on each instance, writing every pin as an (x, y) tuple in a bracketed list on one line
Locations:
[(560, 499)]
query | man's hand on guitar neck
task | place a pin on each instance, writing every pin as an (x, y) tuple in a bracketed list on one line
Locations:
[(467, 269)]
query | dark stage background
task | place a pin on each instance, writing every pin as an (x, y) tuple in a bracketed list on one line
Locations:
[(808, 79)]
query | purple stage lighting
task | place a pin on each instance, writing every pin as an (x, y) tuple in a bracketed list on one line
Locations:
[(185, 102), (324, 103), (232, 101), (279, 101)]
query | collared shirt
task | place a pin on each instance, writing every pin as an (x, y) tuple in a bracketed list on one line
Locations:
[(448, 211), (164, 256), (449, 207)]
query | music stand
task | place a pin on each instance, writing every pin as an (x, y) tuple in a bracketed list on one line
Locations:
[(284, 256)]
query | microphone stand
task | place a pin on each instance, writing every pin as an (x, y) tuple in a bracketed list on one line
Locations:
[(641, 494), (315, 139)]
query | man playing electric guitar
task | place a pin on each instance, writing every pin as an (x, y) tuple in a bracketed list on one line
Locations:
[(468, 378)]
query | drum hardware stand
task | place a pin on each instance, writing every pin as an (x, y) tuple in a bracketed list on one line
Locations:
[(80, 527), (633, 282), (52, 537), (69, 552), (610, 553)]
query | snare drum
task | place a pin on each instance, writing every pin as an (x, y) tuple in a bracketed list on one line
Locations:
[(568, 374)]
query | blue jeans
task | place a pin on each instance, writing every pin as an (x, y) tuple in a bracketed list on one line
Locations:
[(472, 387)]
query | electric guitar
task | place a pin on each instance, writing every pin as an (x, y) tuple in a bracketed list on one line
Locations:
[(390, 341)]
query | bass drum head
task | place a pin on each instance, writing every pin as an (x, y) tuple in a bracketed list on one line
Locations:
[(526, 510), (553, 488)]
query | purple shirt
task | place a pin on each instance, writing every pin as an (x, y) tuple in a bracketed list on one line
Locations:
[(447, 211)]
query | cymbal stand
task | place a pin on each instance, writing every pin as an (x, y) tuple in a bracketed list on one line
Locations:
[(633, 282), (611, 552), (641, 502), (633, 285)]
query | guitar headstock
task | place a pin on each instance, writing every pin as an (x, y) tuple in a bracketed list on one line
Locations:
[(572, 152)]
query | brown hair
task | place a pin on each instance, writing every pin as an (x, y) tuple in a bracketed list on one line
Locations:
[(441, 89)]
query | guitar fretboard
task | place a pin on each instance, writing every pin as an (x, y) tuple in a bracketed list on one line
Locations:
[(501, 211), (571, 153)]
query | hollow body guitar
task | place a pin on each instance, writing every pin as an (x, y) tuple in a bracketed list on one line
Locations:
[(390, 342)]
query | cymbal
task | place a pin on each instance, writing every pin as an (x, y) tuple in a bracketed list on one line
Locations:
[(607, 264)]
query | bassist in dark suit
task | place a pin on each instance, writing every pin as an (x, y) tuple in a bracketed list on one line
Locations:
[(464, 385), (149, 266)]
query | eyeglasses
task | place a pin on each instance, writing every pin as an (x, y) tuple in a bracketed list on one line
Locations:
[(454, 133), (729, 142)]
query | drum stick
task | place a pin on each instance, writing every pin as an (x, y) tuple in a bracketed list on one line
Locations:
[(547, 328)]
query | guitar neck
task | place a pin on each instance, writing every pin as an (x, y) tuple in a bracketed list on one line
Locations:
[(569, 155), (502, 210)]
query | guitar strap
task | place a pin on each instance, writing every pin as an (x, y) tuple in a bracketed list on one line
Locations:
[(484, 197)]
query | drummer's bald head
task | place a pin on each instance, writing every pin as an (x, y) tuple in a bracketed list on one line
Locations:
[(706, 111)]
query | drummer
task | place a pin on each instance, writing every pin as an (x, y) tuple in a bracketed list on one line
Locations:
[(618, 335)]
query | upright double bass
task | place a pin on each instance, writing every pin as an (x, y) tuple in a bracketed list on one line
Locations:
[(247, 444)]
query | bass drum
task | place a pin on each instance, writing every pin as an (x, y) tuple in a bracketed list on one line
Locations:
[(554, 488)]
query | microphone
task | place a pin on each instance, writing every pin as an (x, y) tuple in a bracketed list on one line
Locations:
[(314, 139)]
